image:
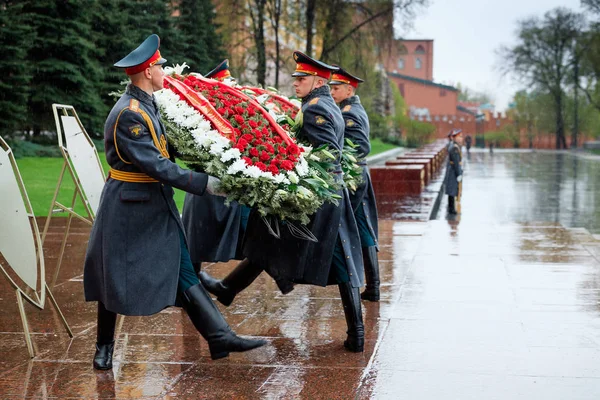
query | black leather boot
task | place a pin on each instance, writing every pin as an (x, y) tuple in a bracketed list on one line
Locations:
[(355, 341), (237, 280), (104, 355), (371, 292), (451, 207), (209, 321), (105, 338)]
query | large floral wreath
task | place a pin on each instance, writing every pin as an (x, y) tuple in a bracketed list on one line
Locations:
[(229, 135)]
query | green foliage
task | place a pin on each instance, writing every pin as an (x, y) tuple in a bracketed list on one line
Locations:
[(15, 36), (64, 57), (23, 148), (352, 171), (200, 46), (379, 146)]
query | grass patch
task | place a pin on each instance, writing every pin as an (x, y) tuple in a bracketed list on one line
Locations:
[(40, 176), (377, 146)]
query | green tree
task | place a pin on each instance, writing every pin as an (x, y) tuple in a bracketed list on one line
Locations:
[(15, 37), (63, 54), (542, 57), (201, 47)]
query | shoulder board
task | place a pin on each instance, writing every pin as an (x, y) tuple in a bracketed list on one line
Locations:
[(314, 101), (134, 105), (347, 108)]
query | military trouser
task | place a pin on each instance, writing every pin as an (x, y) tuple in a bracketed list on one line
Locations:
[(187, 278), (366, 237)]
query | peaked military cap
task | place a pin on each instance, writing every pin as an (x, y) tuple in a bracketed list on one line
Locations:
[(454, 132), (307, 66), (146, 55), (342, 76), (220, 72)]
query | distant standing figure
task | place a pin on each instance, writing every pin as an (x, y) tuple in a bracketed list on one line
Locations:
[(453, 169), (468, 141)]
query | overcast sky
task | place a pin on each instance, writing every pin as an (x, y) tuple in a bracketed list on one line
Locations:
[(466, 34)]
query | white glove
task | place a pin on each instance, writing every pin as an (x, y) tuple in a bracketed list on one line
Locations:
[(459, 178), (212, 186)]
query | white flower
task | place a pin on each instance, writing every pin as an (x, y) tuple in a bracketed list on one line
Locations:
[(302, 166), (230, 154), (262, 98), (237, 166), (280, 178), (177, 69), (304, 192), (296, 102), (252, 171), (293, 177)]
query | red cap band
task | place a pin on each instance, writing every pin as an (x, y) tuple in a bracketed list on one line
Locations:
[(148, 63), (221, 75), (311, 69), (345, 79)]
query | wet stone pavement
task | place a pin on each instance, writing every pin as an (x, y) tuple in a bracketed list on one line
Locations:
[(499, 302)]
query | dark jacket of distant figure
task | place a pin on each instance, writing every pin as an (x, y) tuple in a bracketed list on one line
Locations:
[(302, 261), (453, 169), (133, 256)]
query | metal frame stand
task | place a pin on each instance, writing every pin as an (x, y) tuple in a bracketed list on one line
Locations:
[(57, 207)]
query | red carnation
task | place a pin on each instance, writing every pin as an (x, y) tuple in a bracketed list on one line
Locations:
[(251, 111), (248, 160), (275, 162), (257, 142), (254, 152), (270, 148), (239, 119), (221, 110), (273, 169), (287, 165), (264, 156), (248, 137), (265, 131), (252, 124), (292, 158), (239, 110), (278, 139), (282, 150), (261, 166), (242, 143), (293, 149)]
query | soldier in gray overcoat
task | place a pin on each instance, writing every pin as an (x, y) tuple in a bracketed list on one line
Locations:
[(453, 169), (336, 258), (356, 128), (137, 262), (214, 230)]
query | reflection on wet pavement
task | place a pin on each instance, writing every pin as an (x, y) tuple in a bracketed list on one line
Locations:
[(500, 302)]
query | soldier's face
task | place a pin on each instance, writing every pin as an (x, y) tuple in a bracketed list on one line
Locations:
[(341, 92), (303, 85), (157, 76)]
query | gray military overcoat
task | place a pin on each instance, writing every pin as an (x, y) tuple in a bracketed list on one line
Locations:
[(301, 261), (357, 129), (133, 256), (453, 169), (212, 228)]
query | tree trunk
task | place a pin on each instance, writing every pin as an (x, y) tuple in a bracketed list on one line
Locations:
[(560, 122), (276, 27), (576, 106), (259, 39), (311, 5)]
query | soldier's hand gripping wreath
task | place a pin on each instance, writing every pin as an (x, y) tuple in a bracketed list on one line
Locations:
[(213, 187)]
